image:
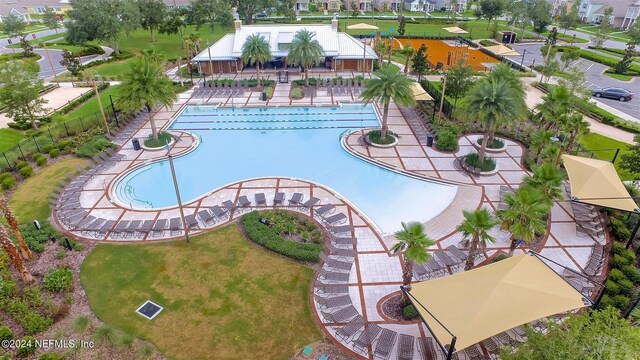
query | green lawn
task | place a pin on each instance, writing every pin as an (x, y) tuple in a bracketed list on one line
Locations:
[(621, 77), (91, 106), (223, 298), (595, 141), (41, 39), (9, 138), (591, 30), (29, 29), (29, 202)]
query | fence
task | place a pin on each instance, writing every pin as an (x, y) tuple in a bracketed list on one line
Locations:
[(50, 135), (602, 154), (436, 94)]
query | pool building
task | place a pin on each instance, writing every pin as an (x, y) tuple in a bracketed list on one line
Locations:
[(342, 51)]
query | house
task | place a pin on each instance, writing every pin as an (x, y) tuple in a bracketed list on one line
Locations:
[(447, 5), (420, 5), (330, 5), (24, 15), (625, 12), (387, 5), (301, 5), (342, 51), (176, 3), (25, 8)]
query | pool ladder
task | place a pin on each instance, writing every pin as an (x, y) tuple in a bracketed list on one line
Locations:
[(345, 133), (130, 192)]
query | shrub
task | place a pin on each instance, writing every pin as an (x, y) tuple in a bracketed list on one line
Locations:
[(26, 171), (5, 175), (58, 280), (36, 156), (54, 153), (374, 137), (617, 275), (50, 356), (629, 255), (80, 323), (72, 243), (8, 183), (631, 273), (269, 238), (42, 161), (47, 148), (619, 261), (36, 238), (61, 254), (620, 301), (21, 164), (296, 93), (105, 335), (28, 346), (474, 161), (64, 145), (625, 286), (494, 144), (409, 312), (5, 333), (94, 146), (619, 229), (446, 140), (163, 139), (616, 247), (612, 287)]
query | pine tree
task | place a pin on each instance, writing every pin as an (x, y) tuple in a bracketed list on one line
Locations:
[(420, 64), (623, 65), (402, 25)]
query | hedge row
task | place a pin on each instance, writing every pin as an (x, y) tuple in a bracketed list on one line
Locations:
[(634, 69), (116, 57), (264, 235)]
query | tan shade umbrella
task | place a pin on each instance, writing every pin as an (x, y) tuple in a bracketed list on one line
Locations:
[(455, 30), (362, 26), (596, 182), (502, 50), (419, 93), (477, 304)]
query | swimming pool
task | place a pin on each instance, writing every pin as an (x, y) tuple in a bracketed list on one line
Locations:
[(297, 142)]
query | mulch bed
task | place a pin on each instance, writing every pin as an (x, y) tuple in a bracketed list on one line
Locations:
[(391, 308)]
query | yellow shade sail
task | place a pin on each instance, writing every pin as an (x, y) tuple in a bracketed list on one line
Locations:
[(362, 26), (477, 304), (502, 50), (419, 93), (455, 30), (596, 182)]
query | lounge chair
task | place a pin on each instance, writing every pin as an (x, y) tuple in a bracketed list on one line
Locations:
[(278, 199), (217, 212), (229, 206), (84, 222), (334, 276), (191, 221), (336, 219), (405, 347), (325, 210), (385, 344), (341, 253), (296, 199), (332, 302), (366, 338), (104, 228), (132, 228), (118, 230), (146, 227), (490, 345), (426, 348), (331, 289), (159, 227), (175, 225), (340, 229), (309, 203), (260, 199), (94, 226), (473, 352), (243, 202), (442, 256), (205, 216), (343, 240), (336, 264), (350, 329), (341, 315)]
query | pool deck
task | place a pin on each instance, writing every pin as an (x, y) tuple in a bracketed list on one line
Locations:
[(375, 273)]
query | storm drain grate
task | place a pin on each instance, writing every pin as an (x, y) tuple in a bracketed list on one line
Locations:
[(149, 309)]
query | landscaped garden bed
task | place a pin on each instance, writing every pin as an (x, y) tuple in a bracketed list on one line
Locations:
[(494, 146), (164, 138), (374, 138), (472, 163), (286, 233)]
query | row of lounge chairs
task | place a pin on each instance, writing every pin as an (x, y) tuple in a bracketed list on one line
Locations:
[(122, 129), (218, 92), (440, 262)]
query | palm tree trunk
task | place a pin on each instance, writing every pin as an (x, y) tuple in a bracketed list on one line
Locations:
[(571, 141), (13, 224), (385, 126), (512, 246), (406, 65), (152, 121), (306, 76), (11, 250), (258, 71), (483, 148), (472, 253), (407, 276)]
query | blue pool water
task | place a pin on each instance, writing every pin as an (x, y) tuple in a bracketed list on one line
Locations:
[(304, 143)]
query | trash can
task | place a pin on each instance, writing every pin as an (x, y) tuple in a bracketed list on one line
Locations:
[(264, 96), (430, 140), (136, 144)]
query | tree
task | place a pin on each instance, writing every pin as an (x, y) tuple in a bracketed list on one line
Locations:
[(540, 139), (524, 216), (146, 85), (459, 80), (490, 10), (604, 29), (13, 26), (21, 88), (27, 48), (104, 20), (625, 63), (50, 19), (568, 58), (210, 12), (381, 49), (419, 64), (11, 250), (633, 33), (13, 225), (589, 335), (285, 8), (354, 9), (413, 243), (493, 101), (402, 25), (475, 228), (574, 125), (256, 50), (305, 51), (71, 62), (174, 24), (630, 161), (554, 107), (389, 84), (407, 52), (548, 179), (247, 8), (153, 14), (540, 15), (569, 19)]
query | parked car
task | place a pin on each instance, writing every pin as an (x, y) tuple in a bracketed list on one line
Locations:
[(261, 15), (614, 93)]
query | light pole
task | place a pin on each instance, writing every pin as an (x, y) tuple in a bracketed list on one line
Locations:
[(210, 62), (95, 88), (175, 186), (523, 54), (46, 51), (444, 88)]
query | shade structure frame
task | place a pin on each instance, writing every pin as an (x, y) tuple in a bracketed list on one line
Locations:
[(519, 281), (362, 26), (455, 30), (419, 93), (502, 50)]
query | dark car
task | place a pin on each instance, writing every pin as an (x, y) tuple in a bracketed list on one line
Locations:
[(261, 15), (614, 93)]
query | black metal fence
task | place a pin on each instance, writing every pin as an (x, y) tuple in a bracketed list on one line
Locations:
[(50, 135), (436, 94)]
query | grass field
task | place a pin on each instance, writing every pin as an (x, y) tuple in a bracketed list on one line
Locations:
[(9, 138), (91, 106), (29, 202), (621, 77), (223, 298), (595, 141)]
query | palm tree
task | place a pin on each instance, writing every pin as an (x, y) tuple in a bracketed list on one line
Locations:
[(381, 49), (493, 101), (11, 250), (548, 180), (305, 51), (389, 84), (475, 227), (256, 50), (524, 216), (574, 124), (13, 225), (408, 53), (413, 242), (554, 107), (146, 85), (505, 72), (540, 139)]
